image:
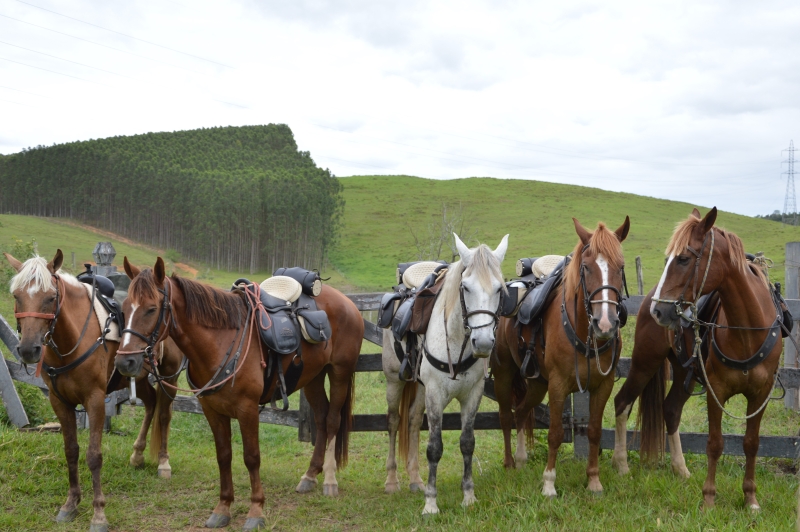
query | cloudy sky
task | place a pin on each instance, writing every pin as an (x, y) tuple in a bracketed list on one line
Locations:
[(685, 100)]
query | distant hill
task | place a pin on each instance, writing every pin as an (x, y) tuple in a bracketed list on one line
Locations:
[(237, 198), (383, 211)]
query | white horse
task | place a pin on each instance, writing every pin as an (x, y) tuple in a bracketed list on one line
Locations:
[(474, 284)]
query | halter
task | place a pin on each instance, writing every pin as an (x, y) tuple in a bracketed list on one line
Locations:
[(591, 340)]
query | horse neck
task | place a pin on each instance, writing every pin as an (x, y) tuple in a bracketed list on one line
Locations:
[(580, 322), (452, 331), (746, 302), (75, 308)]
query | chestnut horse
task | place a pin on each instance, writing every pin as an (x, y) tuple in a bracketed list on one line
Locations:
[(206, 323), (61, 334), (588, 303), (745, 341)]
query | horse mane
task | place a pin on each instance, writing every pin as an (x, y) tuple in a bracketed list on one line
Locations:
[(683, 234), (484, 265), (34, 270), (603, 241), (205, 305)]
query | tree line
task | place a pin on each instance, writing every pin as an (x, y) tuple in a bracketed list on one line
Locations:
[(237, 198)]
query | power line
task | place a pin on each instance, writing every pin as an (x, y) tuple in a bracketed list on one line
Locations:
[(103, 45), (126, 35), (67, 60), (54, 72)]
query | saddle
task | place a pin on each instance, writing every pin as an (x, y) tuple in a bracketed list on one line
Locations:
[(104, 294), (540, 291), (408, 308)]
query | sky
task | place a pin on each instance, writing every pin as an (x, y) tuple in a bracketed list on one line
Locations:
[(683, 100)]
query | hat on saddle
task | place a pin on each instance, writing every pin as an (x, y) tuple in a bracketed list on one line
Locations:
[(544, 266), (282, 287), (417, 273)]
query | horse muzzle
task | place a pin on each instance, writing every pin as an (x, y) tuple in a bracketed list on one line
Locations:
[(605, 327), (129, 365), (29, 353), (665, 314), (482, 346)]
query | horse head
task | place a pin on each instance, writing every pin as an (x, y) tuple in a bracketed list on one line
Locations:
[(692, 267), (597, 268), (36, 302), (147, 313), (481, 288)]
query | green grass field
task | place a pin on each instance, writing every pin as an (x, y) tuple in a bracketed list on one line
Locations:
[(375, 237)]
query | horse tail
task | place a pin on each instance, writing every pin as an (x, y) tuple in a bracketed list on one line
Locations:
[(650, 419), (163, 400), (519, 389), (408, 396), (345, 425)]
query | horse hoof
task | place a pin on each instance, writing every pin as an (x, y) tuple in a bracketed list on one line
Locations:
[(66, 517), (137, 460), (218, 521), (165, 473), (596, 493), (255, 523), (330, 490), (305, 486), (100, 527), (392, 488), (754, 508), (469, 500), (429, 510), (415, 487)]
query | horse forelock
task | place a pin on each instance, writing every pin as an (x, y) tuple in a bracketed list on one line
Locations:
[(483, 265), (682, 235), (142, 287), (602, 241), (33, 276)]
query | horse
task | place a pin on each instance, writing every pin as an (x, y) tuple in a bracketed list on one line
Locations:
[(596, 268), (59, 334), (208, 324), (458, 335), (744, 338)]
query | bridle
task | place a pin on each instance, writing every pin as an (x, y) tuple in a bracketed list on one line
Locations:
[(165, 321), (591, 339), (681, 301)]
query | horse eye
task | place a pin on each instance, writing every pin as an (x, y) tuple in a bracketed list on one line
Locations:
[(683, 261), (150, 311), (466, 289)]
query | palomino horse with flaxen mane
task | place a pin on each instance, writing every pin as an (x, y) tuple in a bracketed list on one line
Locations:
[(60, 333), (459, 337), (744, 334), (586, 306), (208, 324)]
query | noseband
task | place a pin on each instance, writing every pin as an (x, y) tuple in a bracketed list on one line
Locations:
[(165, 319)]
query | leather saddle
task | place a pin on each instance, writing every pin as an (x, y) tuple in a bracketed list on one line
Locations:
[(537, 297), (104, 294)]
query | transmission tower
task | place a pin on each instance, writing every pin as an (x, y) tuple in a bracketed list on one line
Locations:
[(789, 203)]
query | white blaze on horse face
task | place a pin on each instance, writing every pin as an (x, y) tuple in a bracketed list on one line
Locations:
[(661, 284), (126, 338), (605, 320)]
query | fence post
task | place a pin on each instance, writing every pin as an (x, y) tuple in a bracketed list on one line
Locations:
[(639, 275), (791, 290), (305, 429), (8, 393), (580, 424)]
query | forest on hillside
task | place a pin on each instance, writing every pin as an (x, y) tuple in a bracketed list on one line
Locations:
[(238, 198)]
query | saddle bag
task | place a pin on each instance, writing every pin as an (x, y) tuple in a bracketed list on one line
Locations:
[(314, 325), (278, 331), (423, 307), (525, 266), (402, 318), (310, 281), (386, 311)]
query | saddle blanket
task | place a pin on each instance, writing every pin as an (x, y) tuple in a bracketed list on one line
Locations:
[(101, 314)]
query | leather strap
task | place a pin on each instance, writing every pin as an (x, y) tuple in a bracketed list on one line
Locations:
[(576, 342), (773, 335), (444, 367), (34, 315)]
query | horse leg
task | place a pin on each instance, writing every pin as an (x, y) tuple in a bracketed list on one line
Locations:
[(221, 428), (468, 410), (69, 432), (96, 410), (161, 430), (555, 435), (148, 396), (533, 398), (315, 393), (434, 408), (750, 446), (715, 443), (503, 381), (416, 413), (394, 391), (673, 409), (597, 403), (340, 382), (248, 424)]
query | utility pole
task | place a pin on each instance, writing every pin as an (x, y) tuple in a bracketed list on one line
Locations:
[(789, 203)]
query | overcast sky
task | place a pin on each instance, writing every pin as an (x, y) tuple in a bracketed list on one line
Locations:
[(690, 101)]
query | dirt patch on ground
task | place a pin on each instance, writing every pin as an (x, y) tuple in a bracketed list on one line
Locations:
[(101, 232), (186, 268)]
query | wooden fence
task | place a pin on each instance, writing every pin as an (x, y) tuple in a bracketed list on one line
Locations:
[(575, 417)]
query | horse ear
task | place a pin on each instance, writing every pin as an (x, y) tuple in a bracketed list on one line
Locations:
[(17, 265), (55, 264), (696, 213), (708, 221), (130, 270), (583, 234), (463, 251), (159, 270), (622, 232), (500, 252)]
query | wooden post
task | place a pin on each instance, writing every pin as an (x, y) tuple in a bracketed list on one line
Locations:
[(791, 290), (580, 424), (306, 429), (639, 276), (73, 261), (8, 393)]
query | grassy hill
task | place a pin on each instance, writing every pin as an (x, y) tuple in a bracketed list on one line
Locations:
[(381, 212)]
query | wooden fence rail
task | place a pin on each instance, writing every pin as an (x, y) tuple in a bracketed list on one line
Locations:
[(575, 418)]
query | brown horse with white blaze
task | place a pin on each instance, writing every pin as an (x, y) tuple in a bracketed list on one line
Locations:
[(206, 323), (60, 333), (745, 338), (585, 307)]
